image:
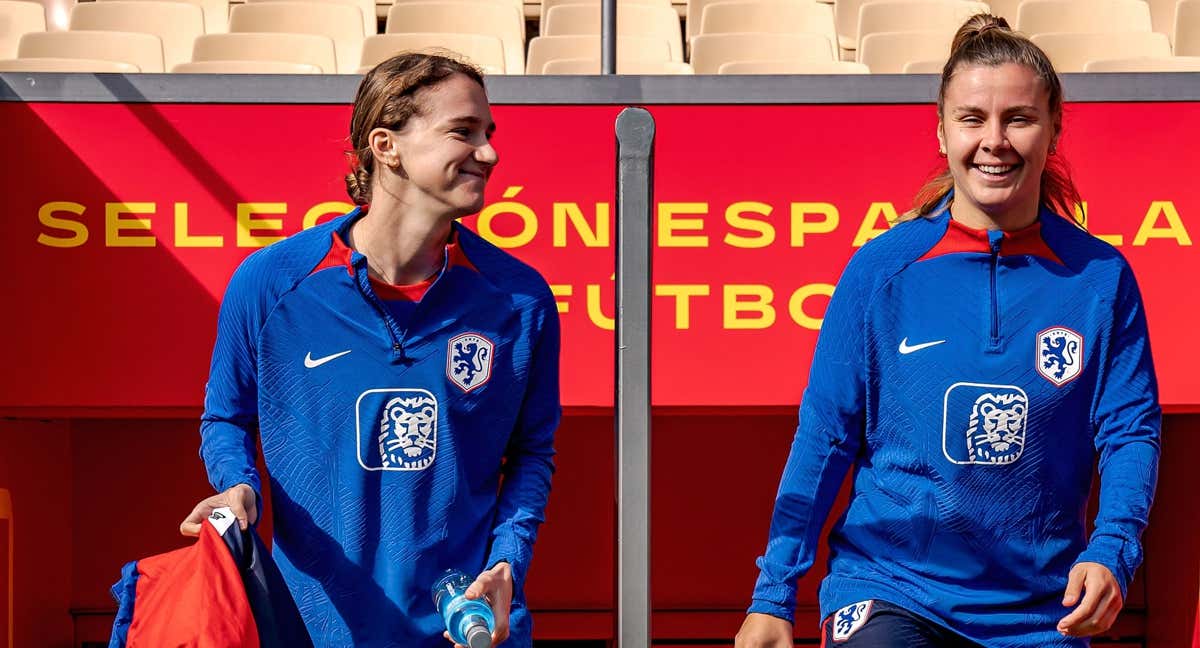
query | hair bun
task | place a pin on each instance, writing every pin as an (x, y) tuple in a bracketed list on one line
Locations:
[(978, 25)]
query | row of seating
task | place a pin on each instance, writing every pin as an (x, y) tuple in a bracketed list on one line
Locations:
[(890, 36)]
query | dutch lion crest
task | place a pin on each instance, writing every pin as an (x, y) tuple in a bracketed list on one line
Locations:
[(469, 360), (397, 429), (1059, 355), (849, 619), (984, 424)]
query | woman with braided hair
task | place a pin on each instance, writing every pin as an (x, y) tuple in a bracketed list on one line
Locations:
[(974, 363)]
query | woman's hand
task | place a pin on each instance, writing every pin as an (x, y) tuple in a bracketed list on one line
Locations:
[(240, 499), (1101, 600), (496, 587), (764, 631)]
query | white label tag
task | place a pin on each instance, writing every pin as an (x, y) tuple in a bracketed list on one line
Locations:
[(222, 519)]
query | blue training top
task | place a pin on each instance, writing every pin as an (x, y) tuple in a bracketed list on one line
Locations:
[(386, 445), (970, 378)]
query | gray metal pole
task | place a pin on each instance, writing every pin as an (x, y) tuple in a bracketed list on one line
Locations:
[(635, 200), (608, 37)]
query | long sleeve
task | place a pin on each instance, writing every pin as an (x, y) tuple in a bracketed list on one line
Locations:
[(230, 419), (1127, 421), (827, 440), (529, 459)]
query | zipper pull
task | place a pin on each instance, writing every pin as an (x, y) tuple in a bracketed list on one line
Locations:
[(995, 237)]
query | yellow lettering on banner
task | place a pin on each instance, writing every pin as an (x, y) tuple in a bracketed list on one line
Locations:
[(796, 304), (759, 303), (184, 239), (867, 229), (324, 209), (669, 223), (1173, 230), (114, 224), (594, 312), (1081, 216), (561, 290), (597, 236), (733, 216), (247, 224), (79, 231), (682, 294), (801, 225), (529, 223)]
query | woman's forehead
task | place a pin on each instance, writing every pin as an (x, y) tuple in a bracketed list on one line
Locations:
[(1008, 82)]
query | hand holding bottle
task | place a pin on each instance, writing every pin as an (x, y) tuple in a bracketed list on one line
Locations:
[(494, 587)]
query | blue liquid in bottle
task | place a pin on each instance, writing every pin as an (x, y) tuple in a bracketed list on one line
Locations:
[(470, 622)]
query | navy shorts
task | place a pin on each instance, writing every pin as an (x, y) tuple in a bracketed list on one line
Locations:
[(879, 624)]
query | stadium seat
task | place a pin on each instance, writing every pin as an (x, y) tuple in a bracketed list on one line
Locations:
[(66, 65), (916, 15), (592, 66), (711, 51), (16, 20), (888, 52), (1069, 52), (1187, 28), (1145, 64), (176, 24), (143, 51), (293, 49), (1006, 9), (546, 5), (767, 16), (245, 67), (543, 49), (366, 10), (519, 5), (1088, 16), (216, 14), (340, 23), (482, 50), (924, 67), (632, 20), (793, 67), (1162, 16), (500, 20)]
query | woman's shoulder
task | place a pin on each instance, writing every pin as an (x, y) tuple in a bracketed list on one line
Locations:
[(504, 271)]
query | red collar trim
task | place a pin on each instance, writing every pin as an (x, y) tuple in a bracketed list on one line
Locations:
[(961, 238)]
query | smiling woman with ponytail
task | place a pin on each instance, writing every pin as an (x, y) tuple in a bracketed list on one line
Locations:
[(974, 364)]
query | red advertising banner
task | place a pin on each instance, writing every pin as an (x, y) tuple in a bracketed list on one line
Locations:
[(124, 222)]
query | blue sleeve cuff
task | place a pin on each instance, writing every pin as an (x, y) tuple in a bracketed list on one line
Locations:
[(759, 606), (515, 554), (1110, 552)]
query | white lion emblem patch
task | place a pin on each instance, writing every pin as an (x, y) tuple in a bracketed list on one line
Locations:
[(984, 424), (849, 619), (1059, 355), (400, 429), (469, 360)]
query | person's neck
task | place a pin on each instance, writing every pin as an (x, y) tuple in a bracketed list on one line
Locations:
[(1011, 220), (403, 244)]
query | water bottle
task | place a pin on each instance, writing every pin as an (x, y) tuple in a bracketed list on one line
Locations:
[(469, 621)]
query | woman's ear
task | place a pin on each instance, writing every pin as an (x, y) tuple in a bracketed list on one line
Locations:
[(941, 138), (382, 143)]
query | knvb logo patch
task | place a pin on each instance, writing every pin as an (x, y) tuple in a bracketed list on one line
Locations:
[(849, 619), (984, 424), (396, 429), (469, 360), (1059, 355)]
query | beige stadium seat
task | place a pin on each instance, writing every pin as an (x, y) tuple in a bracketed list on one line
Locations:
[(711, 51), (297, 49), (66, 65), (916, 15), (1056, 16), (543, 49), (484, 51), (500, 20), (216, 14), (592, 66), (767, 16), (143, 51), (1162, 16), (366, 9), (1187, 28), (245, 67), (177, 24), (632, 20), (888, 52), (340, 23), (1006, 9), (793, 67), (16, 20), (1070, 52), (924, 67), (1145, 64), (546, 5)]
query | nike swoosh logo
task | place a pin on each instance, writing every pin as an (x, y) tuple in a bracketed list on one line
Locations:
[(906, 349), (313, 364)]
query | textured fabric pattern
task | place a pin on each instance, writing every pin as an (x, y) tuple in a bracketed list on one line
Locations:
[(970, 379), (394, 452)]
